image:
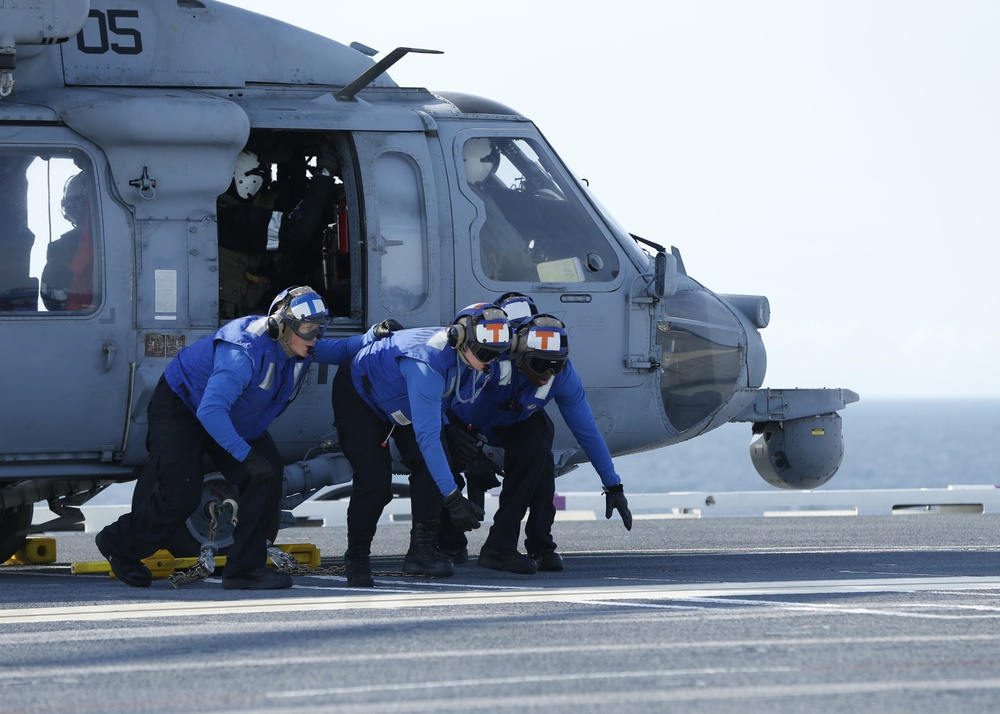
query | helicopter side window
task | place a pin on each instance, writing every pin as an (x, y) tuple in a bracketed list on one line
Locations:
[(404, 283), (48, 252), (532, 226)]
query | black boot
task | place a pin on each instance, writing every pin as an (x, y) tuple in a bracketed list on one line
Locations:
[(423, 557), (358, 564)]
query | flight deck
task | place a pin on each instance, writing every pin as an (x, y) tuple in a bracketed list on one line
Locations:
[(822, 612)]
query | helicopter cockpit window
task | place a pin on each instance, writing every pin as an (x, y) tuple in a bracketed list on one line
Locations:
[(49, 255), (533, 226)]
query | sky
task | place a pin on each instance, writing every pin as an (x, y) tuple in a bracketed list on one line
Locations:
[(840, 157)]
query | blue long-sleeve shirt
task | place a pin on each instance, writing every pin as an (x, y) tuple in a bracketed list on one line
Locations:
[(492, 409), (409, 378), (239, 380), (424, 387)]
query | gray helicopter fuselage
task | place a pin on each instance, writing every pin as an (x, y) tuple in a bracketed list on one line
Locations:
[(152, 101)]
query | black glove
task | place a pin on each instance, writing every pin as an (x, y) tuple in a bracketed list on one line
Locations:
[(463, 513), (386, 328), (616, 501), (258, 467), (462, 445), (482, 473)]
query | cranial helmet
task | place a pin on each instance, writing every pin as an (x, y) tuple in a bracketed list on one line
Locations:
[(483, 328), (74, 200), (300, 311), (250, 174), (518, 307), (541, 345), (482, 157)]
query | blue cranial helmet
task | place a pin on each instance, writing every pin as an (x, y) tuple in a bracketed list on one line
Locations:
[(302, 310), (483, 328), (541, 345), (519, 307)]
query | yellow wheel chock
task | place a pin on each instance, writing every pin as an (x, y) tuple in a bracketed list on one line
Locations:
[(162, 564), (35, 551)]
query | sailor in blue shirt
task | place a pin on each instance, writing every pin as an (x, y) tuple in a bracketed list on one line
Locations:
[(510, 413), (217, 398), (398, 387)]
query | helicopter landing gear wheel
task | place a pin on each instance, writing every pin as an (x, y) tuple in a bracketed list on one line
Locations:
[(12, 521), (219, 503), (187, 541)]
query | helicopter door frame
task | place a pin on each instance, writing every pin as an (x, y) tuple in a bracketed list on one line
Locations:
[(410, 274), (82, 351)]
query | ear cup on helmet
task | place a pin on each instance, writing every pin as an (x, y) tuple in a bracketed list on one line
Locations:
[(273, 328), (517, 343), (456, 335)]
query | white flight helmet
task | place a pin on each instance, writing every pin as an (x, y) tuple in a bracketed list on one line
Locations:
[(481, 159), (74, 200), (249, 175)]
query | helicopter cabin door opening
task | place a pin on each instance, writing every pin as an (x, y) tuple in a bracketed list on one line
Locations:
[(284, 221)]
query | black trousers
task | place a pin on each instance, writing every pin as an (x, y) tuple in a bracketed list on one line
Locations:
[(362, 433), (171, 488), (529, 485)]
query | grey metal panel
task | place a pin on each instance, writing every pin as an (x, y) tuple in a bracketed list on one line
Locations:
[(15, 112), (186, 142), (323, 112), (782, 404), (162, 44)]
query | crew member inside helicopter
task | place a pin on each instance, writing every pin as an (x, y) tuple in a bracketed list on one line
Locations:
[(503, 250), (271, 230), (67, 278)]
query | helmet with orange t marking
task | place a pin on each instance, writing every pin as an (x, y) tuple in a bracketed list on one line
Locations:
[(483, 328)]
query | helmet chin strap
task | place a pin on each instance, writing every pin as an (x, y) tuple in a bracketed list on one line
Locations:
[(461, 353), (476, 386), (285, 338)]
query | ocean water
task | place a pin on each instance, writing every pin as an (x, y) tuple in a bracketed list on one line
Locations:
[(887, 444)]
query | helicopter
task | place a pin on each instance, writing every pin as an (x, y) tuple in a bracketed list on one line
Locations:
[(122, 123)]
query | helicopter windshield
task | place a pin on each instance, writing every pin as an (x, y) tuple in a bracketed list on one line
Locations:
[(533, 225)]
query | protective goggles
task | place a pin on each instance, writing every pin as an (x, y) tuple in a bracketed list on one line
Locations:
[(308, 330), (484, 353), (539, 364)]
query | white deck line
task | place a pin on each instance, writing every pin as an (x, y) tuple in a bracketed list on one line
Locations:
[(682, 504)]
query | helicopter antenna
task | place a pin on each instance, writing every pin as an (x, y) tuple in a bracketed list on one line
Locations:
[(348, 93)]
